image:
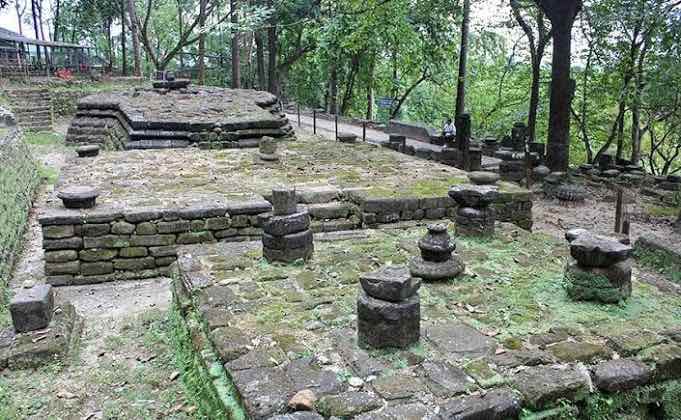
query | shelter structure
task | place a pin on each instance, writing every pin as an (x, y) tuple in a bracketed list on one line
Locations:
[(23, 55)]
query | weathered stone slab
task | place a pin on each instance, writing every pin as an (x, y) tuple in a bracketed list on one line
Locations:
[(445, 380), (499, 404), (631, 343), (348, 404), (459, 341), (543, 385), (665, 359), (280, 226), (398, 386), (305, 373), (578, 351), (410, 411), (264, 391)]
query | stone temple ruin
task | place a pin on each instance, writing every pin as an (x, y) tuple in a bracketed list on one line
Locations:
[(340, 294), (178, 116)]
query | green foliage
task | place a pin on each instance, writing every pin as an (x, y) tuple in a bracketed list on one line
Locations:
[(18, 181), (660, 261), (663, 396)]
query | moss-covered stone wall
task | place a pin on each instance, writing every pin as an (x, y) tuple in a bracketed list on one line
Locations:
[(18, 181)]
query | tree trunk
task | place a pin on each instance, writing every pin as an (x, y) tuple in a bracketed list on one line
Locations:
[(333, 89), (202, 43), (562, 14), (20, 15), (272, 73), (463, 58), (180, 24), (534, 101), (124, 58), (620, 132), (34, 17), (134, 34), (350, 84), (260, 60), (236, 56), (57, 11)]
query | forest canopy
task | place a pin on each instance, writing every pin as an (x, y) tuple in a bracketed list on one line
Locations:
[(614, 70)]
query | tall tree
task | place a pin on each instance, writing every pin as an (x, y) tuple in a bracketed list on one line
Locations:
[(537, 44), (20, 7), (236, 56), (463, 59), (202, 42), (134, 34), (34, 18), (562, 14), (124, 58)]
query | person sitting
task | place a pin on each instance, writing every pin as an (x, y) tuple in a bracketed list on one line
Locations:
[(449, 132)]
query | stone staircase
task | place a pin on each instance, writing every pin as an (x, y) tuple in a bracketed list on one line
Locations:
[(32, 108)]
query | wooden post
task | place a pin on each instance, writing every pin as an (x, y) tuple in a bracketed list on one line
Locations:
[(336, 120), (314, 121), (364, 131), (298, 115), (618, 211)]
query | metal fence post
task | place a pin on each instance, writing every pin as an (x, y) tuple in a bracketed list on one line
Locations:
[(314, 121)]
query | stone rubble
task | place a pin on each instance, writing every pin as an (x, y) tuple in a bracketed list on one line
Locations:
[(436, 261)]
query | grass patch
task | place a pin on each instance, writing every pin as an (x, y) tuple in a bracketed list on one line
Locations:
[(662, 211)]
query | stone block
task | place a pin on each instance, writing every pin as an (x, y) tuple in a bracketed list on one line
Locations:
[(62, 280), (218, 223), (578, 351), (201, 212), (163, 251), (138, 216), (178, 226), (382, 324), (621, 375), (285, 225), (265, 391), (134, 264), (151, 240), (95, 229), (445, 380), (60, 256), (240, 221), (334, 210), (164, 261), (292, 241), (58, 231), (629, 344), (382, 205), (498, 404), (284, 201), (288, 255), (55, 269), (349, 404), (67, 243), (227, 233), (122, 228), (90, 255), (390, 283), (107, 241), (146, 228), (96, 268), (248, 207), (195, 237), (31, 309), (133, 252), (544, 385), (434, 214)]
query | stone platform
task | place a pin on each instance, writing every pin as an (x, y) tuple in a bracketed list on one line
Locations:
[(502, 338), (152, 201), (209, 117)]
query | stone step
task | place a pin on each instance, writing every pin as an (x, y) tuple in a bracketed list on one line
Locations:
[(36, 128), (156, 144), (31, 109)]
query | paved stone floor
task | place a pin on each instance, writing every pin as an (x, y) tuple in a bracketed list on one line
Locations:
[(506, 324), (180, 177)]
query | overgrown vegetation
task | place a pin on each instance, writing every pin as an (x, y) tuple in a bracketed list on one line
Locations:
[(661, 262)]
